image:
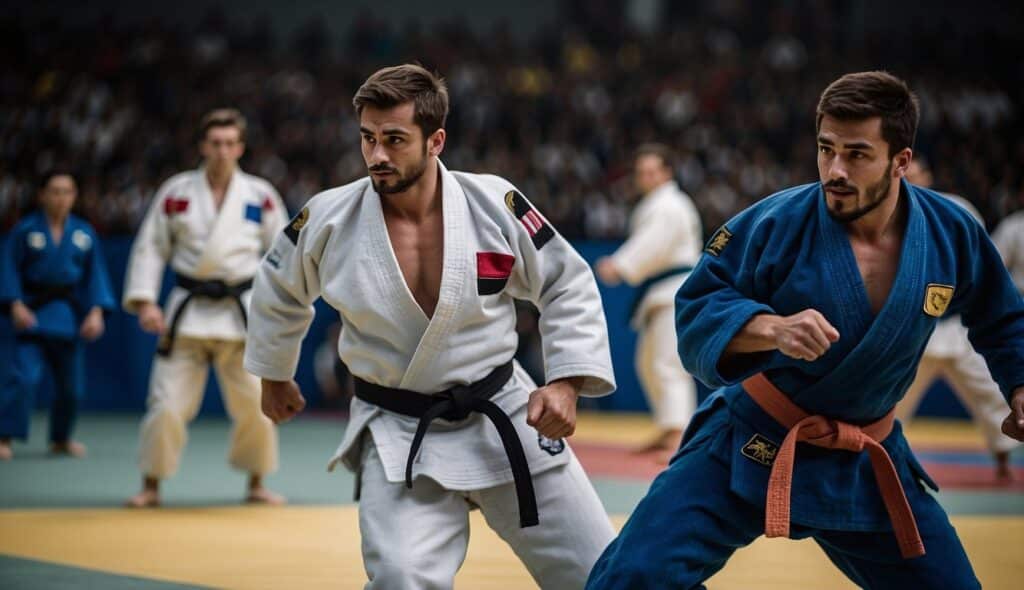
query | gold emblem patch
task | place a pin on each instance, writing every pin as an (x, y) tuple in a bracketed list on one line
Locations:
[(936, 299), (300, 220), (718, 241), (760, 449)]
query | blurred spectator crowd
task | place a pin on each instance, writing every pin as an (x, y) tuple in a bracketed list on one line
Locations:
[(730, 85)]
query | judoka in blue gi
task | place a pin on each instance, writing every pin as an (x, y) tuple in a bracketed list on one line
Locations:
[(809, 311), (54, 282)]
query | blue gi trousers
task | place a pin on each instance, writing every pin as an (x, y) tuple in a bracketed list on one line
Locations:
[(32, 354), (690, 523)]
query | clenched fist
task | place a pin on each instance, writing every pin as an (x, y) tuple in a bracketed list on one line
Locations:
[(1013, 425), (552, 408), (281, 400), (806, 335), (151, 318)]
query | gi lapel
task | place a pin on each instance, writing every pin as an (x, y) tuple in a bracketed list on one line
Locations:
[(226, 221), (858, 368), (453, 280)]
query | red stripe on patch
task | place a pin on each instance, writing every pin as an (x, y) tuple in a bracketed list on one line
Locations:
[(268, 204), (494, 265), (174, 206)]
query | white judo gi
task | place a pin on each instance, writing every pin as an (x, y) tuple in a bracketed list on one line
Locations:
[(664, 234), (949, 355), (184, 228), (1009, 239), (496, 248)]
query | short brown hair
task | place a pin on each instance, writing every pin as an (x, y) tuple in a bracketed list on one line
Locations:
[(658, 150), (222, 118), (396, 85), (864, 95)]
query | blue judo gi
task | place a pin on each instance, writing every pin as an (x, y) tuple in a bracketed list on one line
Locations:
[(781, 256), (60, 283)]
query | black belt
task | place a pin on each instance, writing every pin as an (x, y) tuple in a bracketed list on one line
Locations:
[(215, 289), (645, 286), (39, 294), (456, 404)]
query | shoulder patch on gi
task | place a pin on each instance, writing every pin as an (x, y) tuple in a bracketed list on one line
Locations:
[(36, 240), (274, 258), (81, 239), (718, 241), (760, 449), (549, 446), (540, 232), (937, 298), (175, 205), (254, 212), (296, 224)]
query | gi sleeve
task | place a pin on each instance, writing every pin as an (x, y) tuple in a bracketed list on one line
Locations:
[(11, 259), (286, 285), (549, 273), (94, 288), (718, 299), (991, 308), (657, 232), (149, 255)]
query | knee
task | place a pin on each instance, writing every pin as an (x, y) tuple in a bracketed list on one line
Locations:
[(402, 574), (624, 570), (165, 414)]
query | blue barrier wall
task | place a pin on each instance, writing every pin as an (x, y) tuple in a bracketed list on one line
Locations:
[(118, 363)]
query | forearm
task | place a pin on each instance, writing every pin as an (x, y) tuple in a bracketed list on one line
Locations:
[(757, 335)]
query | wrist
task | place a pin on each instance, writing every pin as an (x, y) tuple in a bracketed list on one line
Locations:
[(764, 327), (573, 384)]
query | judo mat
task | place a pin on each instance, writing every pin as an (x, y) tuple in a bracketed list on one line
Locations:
[(61, 525)]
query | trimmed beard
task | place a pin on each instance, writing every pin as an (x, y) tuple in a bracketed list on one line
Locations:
[(879, 192), (404, 182)]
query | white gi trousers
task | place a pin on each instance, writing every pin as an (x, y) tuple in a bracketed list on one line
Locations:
[(968, 377), (671, 391), (176, 386), (417, 538)]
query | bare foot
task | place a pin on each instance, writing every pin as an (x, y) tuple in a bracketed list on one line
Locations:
[(6, 454), (71, 448), (1003, 472), (144, 499), (262, 495)]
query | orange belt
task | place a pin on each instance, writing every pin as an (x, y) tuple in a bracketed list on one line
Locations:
[(830, 434)]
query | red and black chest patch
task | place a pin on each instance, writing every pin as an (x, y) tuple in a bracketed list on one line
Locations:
[(492, 271), (540, 232)]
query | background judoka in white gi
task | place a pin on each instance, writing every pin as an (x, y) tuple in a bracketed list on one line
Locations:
[(949, 355), (212, 223), (447, 322), (664, 233), (1009, 239)]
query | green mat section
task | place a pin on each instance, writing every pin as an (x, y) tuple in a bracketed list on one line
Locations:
[(105, 478), (27, 574)]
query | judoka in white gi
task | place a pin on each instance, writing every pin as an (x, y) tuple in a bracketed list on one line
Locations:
[(664, 243), (212, 225), (1009, 239), (949, 355), (423, 265)]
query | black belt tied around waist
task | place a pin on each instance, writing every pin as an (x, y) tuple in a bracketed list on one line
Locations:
[(644, 287), (457, 404), (39, 294), (214, 289)]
